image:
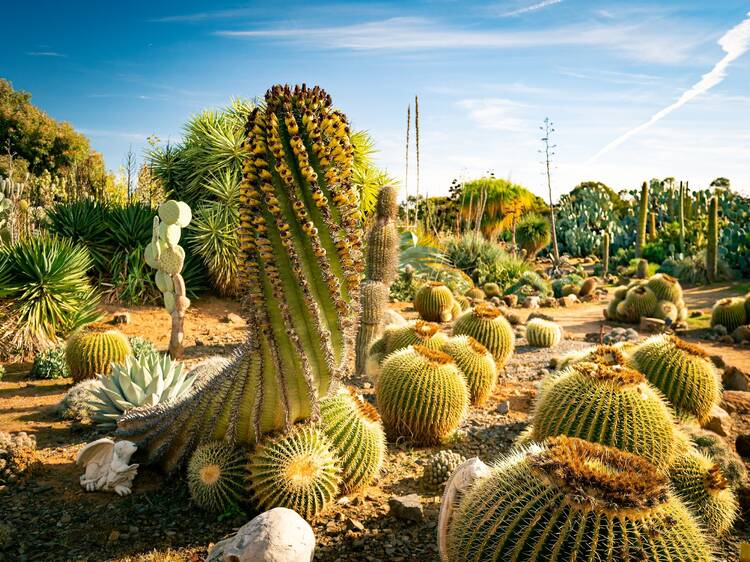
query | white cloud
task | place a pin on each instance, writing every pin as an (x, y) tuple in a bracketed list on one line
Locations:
[(495, 114), (533, 8), (735, 43), (53, 54), (401, 34)]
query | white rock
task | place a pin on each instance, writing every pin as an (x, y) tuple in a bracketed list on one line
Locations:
[(531, 302), (278, 535), (720, 422), (393, 318)]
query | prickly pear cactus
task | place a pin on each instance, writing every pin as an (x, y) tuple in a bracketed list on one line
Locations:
[(300, 266), (165, 255)]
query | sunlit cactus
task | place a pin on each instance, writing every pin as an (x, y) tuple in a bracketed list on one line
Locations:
[(486, 324), (573, 500), (434, 302), (300, 266), (712, 247), (640, 239), (543, 333), (91, 352), (730, 313), (476, 364), (216, 476)]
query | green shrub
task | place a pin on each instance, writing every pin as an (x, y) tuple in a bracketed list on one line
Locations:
[(141, 346), (48, 293), (82, 222), (533, 234), (50, 364), (505, 270), (468, 251), (654, 252)]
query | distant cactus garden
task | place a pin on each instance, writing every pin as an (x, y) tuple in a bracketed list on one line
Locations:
[(276, 325)]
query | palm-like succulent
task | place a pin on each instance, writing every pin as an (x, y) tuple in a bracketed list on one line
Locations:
[(366, 177), (82, 222), (213, 236), (533, 233), (44, 281), (150, 380)]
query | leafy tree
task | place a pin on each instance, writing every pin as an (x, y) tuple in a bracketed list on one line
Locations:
[(720, 182)]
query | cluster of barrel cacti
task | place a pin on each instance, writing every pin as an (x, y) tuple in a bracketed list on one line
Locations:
[(605, 458), (659, 296)]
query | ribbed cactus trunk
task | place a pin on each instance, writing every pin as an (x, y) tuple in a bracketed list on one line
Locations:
[(681, 211), (605, 254), (652, 227), (382, 263), (712, 249), (640, 239), (300, 264)]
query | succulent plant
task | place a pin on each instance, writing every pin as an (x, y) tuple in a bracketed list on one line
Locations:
[(486, 324), (641, 269), (682, 371), (699, 483), (300, 267), (573, 500), (729, 312), (667, 311), (382, 262), (463, 302), (587, 287), (216, 475), (610, 355), (434, 302), (714, 446), (639, 302), (17, 456), (611, 405), (153, 379), (356, 433), (77, 403), (50, 363), (543, 333), (440, 466), (298, 471), (475, 293), (421, 395), (492, 290), (605, 253), (476, 364), (643, 209), (712, 247), (665, 287), (422, 333), (91, 352), (141, 346)]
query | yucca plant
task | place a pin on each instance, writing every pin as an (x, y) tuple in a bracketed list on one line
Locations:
[(213, 236), (82, 222), (48, 293), (367, 179), (128, 226)]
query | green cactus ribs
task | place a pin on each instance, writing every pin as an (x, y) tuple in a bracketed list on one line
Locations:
[(300, 267), (574, 500)]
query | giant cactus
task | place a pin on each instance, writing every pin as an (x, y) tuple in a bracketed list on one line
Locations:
[(382, 261), (712, 248), (300, 264), (573, 500), (605, 254), (640, 239)]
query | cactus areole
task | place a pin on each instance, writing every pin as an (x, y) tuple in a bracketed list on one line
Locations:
[(300, 267)]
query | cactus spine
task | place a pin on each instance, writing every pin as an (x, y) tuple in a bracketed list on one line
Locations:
[(573, 500), (300, 265), (421, 395), (166, 256), (712, 249), (605, 254), (382, 261), (89, 353), (476, 364), (485, 324), (543, 333), (434, 302), (640, 239), (216, 476)]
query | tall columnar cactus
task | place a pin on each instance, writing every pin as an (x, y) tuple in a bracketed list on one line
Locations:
[(357, 436), (682, 371), (640, 238), (641, 269), (486, 324), (573, 500), (652, 234), (89, 353), (382, 263), (421, 395), (712, 248), (613, 406), (605, 253), (476, 365), (681, 217), (166, 256), (434, 302), (300, 265), (698, 481)]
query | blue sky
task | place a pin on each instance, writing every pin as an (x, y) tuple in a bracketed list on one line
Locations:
[(487, 74)]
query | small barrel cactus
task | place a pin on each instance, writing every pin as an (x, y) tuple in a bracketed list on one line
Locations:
[(476, 364), (613, 406), (216, 475), (434, 302), (439, 467), (665, 287), (641, 269), (421, 395), (682, 371), (639, 302), (18, 456), (463, 302), (712, 445), (426, 334), (356, 433), (486, 324), (91, 352), (573, 500), (298, 471), (50, 364), (610, 355), (587, 287), (698, 481), (150, 380), (543, 333), (730, 313), (475, 293), (492, 290)]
